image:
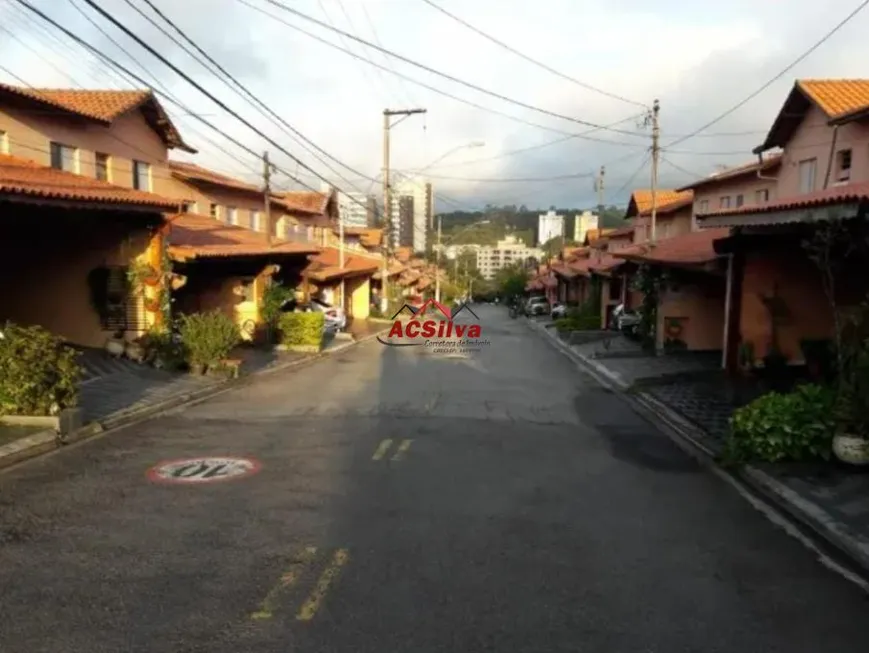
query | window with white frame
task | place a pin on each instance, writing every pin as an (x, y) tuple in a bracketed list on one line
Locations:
[(4, 142), (231, 215), (724, 202), (761, 196), (740, 200), (255, 221), (808, 175), (141, 175), (64, 157), (703, 207)]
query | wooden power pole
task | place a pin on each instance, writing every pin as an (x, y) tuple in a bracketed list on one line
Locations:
[(656, 151), (599, 187), (267, 197), (387, 200)]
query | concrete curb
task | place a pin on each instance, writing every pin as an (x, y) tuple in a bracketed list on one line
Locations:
[(47, 441), (765, 487)]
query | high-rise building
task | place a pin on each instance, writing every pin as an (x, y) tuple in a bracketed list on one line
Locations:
[(354, 209), (421, 194), (585, 222), (549, 225)]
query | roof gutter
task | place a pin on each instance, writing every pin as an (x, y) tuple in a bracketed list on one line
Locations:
[(760, 163)]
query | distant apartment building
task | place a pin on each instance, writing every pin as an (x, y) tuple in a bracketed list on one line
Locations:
[(505, 253), (549, 225), (451, 252), (354, 209), (402, 222), (585, 222), (421, 196)]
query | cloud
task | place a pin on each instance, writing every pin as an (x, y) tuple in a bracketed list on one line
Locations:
[(699, 61)]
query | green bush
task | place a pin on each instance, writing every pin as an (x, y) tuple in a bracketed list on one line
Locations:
[(583, 318), (161, 350), (302, 329), (797, 426), (39, 375), (208, 337)]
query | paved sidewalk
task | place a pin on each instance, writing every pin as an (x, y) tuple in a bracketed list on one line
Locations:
[(830, 499)]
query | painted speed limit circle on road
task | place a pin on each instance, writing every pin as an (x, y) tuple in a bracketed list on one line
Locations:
[(203, 469)]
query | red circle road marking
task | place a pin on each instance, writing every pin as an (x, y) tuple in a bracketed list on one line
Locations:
[(202, 470)]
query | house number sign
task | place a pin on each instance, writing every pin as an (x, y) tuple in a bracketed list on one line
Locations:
[(204, 469)]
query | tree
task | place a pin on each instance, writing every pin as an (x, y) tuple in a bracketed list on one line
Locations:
[(511, 281)]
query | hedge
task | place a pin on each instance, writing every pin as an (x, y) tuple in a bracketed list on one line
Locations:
[(39, 374), (302, 331)]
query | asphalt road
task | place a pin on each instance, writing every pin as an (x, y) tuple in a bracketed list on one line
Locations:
[(531, 511)]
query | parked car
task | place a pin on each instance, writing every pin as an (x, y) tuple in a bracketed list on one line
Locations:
[(558, 311), (537, 306), (625, 320), (334, 316)]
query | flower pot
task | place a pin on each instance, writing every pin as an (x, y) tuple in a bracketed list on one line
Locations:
[(851, 449), (115, 347)]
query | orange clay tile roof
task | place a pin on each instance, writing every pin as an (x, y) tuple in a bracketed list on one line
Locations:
[(394, 268), (326, 265), (620, 233), (840, 100), (193, 236), (105, 106), (194, 173), (307, 201), (837, 97), (641, 200), (606, 264), (848, 194), (770, 162), (27, 178), (566, 271), (693, 248)]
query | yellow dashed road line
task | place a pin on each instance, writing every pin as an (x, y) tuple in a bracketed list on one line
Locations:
[(402, 449), (288, 578), (382, 449), (309, 608)]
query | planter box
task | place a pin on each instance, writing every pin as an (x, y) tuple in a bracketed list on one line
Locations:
[(69, 419)]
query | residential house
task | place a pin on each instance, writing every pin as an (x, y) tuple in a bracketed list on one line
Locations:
[(228, 268), (81, 182), (690, 298), (775, 295), (348, 285), (310, 215)]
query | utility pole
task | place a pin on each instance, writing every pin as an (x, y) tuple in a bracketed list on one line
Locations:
[(599, 187), (438, 263), (267, 196), (387, 204), (656, 151), (341, 256)]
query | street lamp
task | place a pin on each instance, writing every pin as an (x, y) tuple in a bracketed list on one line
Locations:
[(439, 247), (466, 146)]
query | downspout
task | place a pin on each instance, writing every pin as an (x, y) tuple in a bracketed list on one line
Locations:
[(760, 169)]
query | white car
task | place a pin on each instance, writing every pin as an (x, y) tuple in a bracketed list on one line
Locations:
[(334, 316), (558, 311), (336, 319)]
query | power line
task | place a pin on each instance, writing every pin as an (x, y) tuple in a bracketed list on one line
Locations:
[(112, 62), (163, 88), (411, 100), (583, 175), (694, 175), (633, 176), (470, 103), (533, 61), (447, 76), (781, 74), (259, 103)]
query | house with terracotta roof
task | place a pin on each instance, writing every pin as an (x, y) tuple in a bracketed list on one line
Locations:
[(775, 295), (689, 307), (82, 181), (315, 211)]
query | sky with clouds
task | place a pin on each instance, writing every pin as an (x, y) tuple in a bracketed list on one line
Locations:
[(697, 59)]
